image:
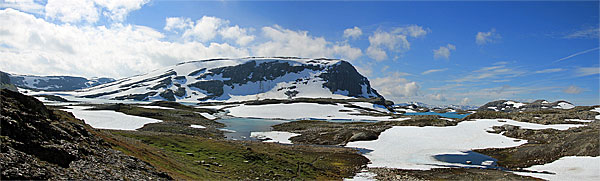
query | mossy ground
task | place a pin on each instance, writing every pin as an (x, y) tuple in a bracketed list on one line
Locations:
[(197, 158)]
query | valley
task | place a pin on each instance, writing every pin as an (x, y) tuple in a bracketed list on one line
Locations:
[(210, 124)]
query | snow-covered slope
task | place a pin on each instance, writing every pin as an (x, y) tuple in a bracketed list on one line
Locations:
[(56, 83), (243, 79), (510, 106)]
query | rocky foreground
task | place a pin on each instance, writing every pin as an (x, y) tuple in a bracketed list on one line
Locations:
[(38, 143)]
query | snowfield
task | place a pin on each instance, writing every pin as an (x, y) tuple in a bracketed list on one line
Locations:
[(596, 110), (274, 136), (197, 126), (568, 168), (564, 105), (411, 147), (298, 111), (106, 119), (207, 116)]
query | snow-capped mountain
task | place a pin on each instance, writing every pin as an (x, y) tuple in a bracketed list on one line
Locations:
[(55, 83), (242, 79), (510, 106)]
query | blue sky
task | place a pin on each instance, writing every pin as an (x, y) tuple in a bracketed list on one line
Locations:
[(432, 52)]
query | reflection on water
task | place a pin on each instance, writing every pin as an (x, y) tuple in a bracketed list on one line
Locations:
[(469, 158), (243, 127)]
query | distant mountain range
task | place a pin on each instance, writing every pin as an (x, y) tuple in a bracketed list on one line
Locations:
[(453, 106), (241, 80), (54, 83)]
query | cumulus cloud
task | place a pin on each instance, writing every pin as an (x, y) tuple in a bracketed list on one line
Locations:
[(240, 35), (23, 5), (483, 38), (117, 10), (177, 23), (395, 41), (395, 87), (72, 11), (352, 32), (443, 51), (38, 47), (573, 90), (90, 10), (437, 97), (433, 71), (285, 42), (205, 29), (465, 101)]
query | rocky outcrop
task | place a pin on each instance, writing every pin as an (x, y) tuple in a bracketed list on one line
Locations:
[(245, 79), (516, 106), (39, 143)]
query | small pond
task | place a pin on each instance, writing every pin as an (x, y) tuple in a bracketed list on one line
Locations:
[(446, 115), (469, 158), (240, 128)]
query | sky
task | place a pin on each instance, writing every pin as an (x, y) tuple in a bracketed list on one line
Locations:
[(436, 52)]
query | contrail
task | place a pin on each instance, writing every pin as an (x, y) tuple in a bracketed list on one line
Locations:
[(575, 54)]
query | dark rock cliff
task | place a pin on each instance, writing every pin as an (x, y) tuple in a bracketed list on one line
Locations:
[(39, 143)]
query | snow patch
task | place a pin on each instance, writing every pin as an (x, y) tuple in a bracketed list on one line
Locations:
[(207, 116), (564, 105), (108, 119), (568, 168), (411, 147), (274, 136), (515, 104), (309, 111), (197, 126), (363, 175)]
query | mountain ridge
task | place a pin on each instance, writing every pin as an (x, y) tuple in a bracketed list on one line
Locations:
[(244, 79)]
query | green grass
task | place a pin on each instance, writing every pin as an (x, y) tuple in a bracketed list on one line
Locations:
[(235, 159)]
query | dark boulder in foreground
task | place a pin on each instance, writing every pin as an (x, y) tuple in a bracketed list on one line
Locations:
[(39, 143)]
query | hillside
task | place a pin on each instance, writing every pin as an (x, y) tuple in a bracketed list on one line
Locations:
[(231, 80), (38, 143), (54, 83)]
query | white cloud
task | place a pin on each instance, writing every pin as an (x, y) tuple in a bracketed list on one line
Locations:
[(205, 29), (117, 10), (395, 41), (585, 71), (578, 53), (23, 5), (549, 70), (90, 10), (352, 32), (483, 38), (412, 31), (395, 87), (34, 46), (72, 11), (465, 101), (443, 51), (437, 97), (285, 42), (573, 90), (177, 23), (589, 33), (433, 71), (488, 73), (240, 35)]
